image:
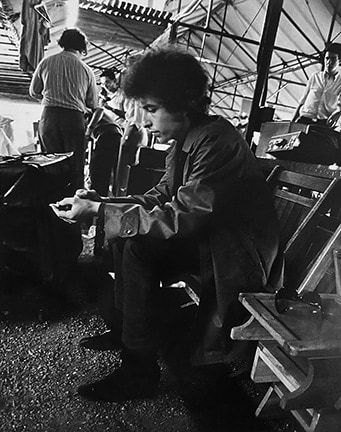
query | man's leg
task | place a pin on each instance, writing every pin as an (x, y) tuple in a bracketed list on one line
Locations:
[(104, 159), (63, 130), (72, 127), (49, 133), (144, 264)]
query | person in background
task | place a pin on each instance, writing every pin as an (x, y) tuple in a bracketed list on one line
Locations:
[(211, 215), (104, 127), (111, 96), (321, 100), (67, 88)]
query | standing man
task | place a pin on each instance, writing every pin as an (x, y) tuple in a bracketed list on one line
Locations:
[(67, 87), (321, 100), (211, 214)]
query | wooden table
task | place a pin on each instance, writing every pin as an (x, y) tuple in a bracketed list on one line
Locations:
[(300, 354)]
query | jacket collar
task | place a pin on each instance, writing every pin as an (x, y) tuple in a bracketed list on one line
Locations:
[(194, 132)]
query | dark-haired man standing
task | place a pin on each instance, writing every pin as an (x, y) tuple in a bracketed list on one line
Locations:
[(67, 87), (211, 214)]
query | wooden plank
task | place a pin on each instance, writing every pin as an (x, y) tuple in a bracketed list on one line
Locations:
[(290, 371), (251, 330), (321, 264), (261, 371), (305, 181), (295, 198), (323, 171), (269, 405), (303, 417), (255, 304), (320, 207), (311, 336)]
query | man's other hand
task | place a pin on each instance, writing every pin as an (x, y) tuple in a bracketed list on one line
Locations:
[(76, 209), (88, 194)]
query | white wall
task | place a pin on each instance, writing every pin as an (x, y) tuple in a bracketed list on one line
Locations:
[(23, 115)]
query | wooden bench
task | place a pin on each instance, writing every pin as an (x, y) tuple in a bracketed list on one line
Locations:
[(300, 355)]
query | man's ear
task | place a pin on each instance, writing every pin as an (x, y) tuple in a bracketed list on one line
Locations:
[(180, 116)]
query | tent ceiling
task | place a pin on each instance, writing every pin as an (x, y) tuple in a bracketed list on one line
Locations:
[(114, 29), (304, 29), (223, 34)]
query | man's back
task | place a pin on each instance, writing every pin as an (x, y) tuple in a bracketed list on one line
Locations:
[(67, 82)]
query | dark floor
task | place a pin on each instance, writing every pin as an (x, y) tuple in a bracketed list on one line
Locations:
[(41, 366)]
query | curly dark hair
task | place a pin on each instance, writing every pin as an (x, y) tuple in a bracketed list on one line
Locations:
[(73, 39), (172, 77)]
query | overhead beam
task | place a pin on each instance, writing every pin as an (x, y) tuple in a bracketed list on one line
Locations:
[(241, 39), (298, 28)]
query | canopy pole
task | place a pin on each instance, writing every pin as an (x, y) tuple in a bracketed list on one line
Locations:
[(263, 61)]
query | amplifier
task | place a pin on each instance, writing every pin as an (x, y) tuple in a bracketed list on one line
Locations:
[(319, 145)]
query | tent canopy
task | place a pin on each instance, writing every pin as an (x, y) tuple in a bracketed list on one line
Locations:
[(224, 34)]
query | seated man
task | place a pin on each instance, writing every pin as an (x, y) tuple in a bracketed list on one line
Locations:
[(321, 100), (211, 214), (111, 96)]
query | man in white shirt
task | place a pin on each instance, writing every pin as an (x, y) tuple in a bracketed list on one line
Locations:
[(67, 88), (111, 96), (321, 100)]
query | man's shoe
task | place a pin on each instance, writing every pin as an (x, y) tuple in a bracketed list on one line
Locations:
[(108, 340), (127, 383)]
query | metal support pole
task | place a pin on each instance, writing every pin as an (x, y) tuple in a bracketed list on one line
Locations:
[(219, 48), (263, 61), (208, 17), (331, 28)]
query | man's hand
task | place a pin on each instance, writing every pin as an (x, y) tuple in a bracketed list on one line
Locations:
[(333, 119), (88, 194), (76, 209)]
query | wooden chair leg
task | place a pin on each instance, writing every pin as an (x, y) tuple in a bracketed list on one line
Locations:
[(269, 405)]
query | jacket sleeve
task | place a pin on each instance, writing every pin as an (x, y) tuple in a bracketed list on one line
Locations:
[(214, 167)]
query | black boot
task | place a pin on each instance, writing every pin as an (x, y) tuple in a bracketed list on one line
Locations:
[(109, 340), (137, 377)]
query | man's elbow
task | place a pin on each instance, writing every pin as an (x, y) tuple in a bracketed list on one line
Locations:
[(34, 94)]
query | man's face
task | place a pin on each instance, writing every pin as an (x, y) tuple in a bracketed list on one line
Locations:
[(163, 124), (331, 62), (109, 84)]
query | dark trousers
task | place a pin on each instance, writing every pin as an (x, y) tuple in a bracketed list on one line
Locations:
[(104, 159), (140, 265), (62, 130), (307, 121)]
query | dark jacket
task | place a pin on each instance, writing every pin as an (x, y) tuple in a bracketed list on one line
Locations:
[(224, 202)]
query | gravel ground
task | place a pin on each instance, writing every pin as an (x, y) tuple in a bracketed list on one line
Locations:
[(41, 366)]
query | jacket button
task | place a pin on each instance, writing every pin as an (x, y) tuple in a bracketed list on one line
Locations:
[(128, 231)]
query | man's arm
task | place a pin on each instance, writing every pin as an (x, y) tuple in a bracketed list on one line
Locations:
[(118, 112), (91, 99), (215, 171), (297, 112), (36, 85), (302, 100), (96, 117)]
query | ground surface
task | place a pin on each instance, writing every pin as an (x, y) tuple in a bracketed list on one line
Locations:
[(41, 366)]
